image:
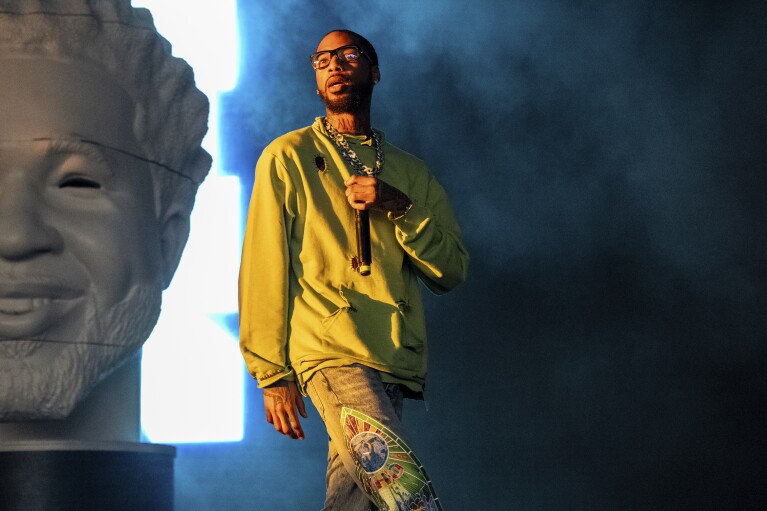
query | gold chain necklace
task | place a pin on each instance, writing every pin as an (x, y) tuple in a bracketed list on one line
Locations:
[(351, 156)]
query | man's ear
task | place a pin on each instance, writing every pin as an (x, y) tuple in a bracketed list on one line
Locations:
[(173, 236), (376, 72)]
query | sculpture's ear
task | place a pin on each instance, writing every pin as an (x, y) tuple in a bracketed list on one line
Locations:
[(173, 237)]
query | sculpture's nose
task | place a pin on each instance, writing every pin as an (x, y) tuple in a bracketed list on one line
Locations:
[(25, 228)]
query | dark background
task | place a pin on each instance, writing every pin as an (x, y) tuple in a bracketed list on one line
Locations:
[(606, 161)]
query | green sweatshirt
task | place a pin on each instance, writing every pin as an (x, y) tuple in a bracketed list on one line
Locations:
[(302, 305)]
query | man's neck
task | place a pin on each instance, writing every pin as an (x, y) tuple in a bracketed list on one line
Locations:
[(350, 123)]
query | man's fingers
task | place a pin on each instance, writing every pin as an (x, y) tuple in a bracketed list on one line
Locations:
[(297, 430), (285, 421), (288, 429), (295, 423), (301, 407), (277, 422), (362, 180), (360, 199), (283, 424), (281, 402), (361, 189)]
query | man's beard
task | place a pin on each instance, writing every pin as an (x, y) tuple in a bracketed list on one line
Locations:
[(40, 391), (350, 103)]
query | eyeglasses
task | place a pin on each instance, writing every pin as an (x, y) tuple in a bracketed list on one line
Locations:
[(321, 59)]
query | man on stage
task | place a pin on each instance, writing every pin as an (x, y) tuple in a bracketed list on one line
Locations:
[(316, 316)]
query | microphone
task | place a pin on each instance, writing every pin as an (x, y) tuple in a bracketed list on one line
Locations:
[(362, 220)]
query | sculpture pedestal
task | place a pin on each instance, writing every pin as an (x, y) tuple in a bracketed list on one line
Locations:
[(86, 476), (90, 461)]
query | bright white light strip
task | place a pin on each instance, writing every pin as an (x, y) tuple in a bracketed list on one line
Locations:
[(192, 371)]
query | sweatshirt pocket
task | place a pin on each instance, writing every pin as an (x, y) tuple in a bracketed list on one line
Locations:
[(374, 330)]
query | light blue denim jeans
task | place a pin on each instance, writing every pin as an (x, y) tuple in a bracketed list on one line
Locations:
[(362, 462)]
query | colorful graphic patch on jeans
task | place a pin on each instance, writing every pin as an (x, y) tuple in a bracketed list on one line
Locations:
[(388, 469)]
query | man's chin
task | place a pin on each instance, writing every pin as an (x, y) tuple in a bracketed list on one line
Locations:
[(347, 102), (44, 380), (341, 106)]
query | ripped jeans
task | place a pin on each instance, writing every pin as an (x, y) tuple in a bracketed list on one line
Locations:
[(370, 466)]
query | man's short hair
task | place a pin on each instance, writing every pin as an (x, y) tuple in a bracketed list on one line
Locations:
[(171, 114), (363, 43)]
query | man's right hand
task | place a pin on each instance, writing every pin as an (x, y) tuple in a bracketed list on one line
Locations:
[(281, 400)]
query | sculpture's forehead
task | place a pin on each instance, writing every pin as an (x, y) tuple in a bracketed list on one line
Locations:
[(43, 97)]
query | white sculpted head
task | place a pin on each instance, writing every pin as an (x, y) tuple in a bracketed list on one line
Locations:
[(100, 160)]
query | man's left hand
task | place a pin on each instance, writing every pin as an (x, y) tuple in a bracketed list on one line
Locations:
[(367, 192)]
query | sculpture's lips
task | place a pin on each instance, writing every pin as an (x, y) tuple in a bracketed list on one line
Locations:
[(29, 309), (17, 306), (38, 288)]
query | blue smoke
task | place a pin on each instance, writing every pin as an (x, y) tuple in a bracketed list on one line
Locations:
[(607, 163)]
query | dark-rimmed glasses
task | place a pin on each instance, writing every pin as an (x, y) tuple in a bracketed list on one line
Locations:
[(349, 53)]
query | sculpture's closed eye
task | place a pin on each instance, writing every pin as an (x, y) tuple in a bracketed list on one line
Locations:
[(79, 182)]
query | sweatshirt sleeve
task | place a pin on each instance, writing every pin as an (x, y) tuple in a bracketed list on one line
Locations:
[(264, 274), (430, 235)]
